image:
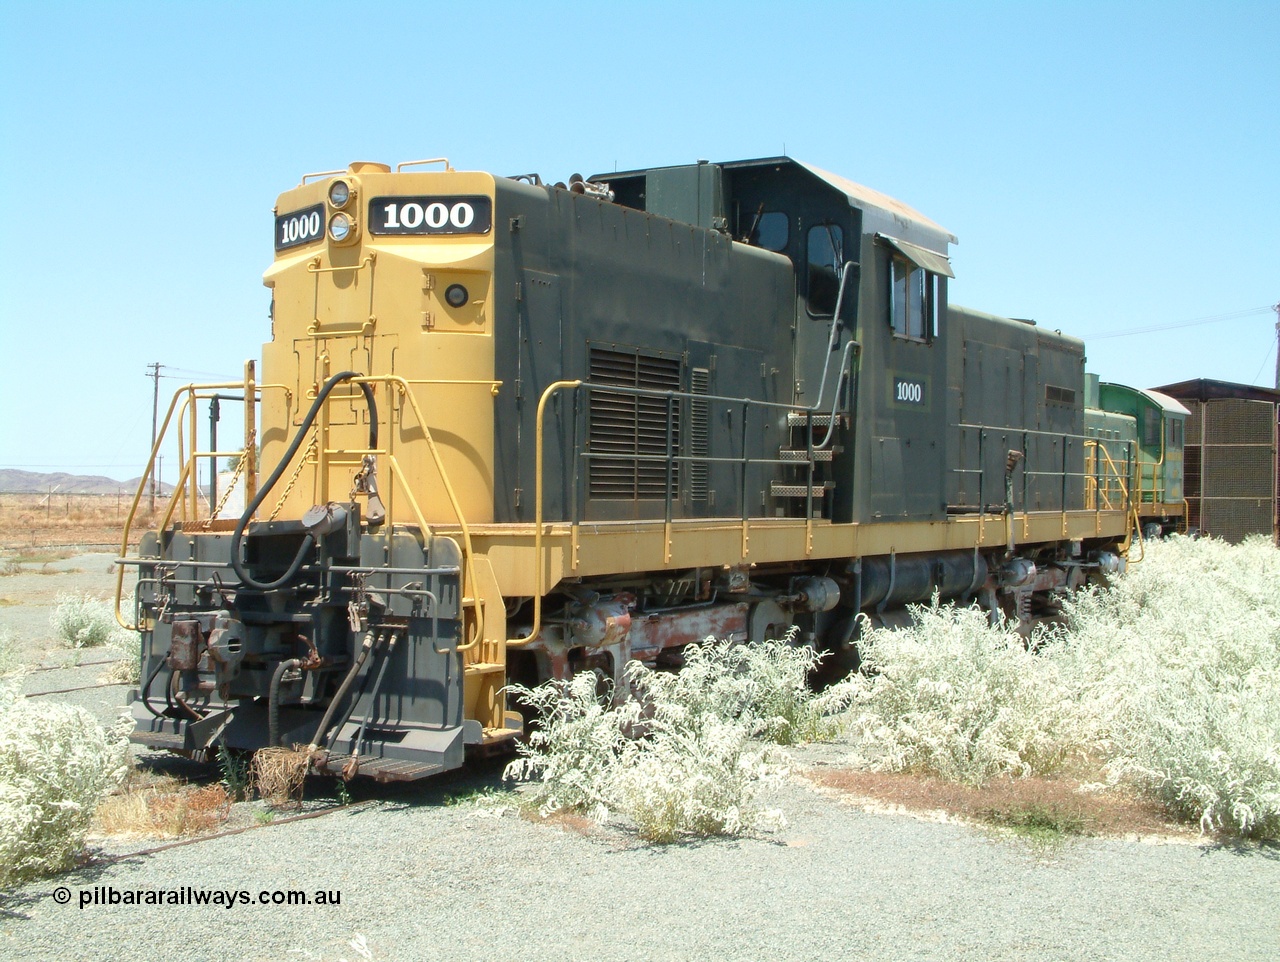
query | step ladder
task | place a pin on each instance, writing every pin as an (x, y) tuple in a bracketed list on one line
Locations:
[(798, 451)]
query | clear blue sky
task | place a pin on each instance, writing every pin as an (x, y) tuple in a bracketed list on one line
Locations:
[(1107, 166)]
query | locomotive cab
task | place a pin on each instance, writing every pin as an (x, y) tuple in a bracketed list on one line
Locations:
[(867, 337)]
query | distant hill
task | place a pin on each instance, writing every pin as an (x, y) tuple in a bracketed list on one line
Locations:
[(34, 482)]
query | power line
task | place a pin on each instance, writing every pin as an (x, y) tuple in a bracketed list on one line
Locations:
[(1194, 322), (1265, 359), (155, 409), (183, 374), (24, 467)]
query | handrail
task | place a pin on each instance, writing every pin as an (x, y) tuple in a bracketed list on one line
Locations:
[(1025, 433), (182, 408), (1132, 505), (834, 338), (313, 266), (319, 173), (1102, 491), (539, 445), (188, 393), (468, 554), (538, 578), (448, 168)]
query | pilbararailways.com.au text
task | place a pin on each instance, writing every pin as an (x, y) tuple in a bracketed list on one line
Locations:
[(109, 895)]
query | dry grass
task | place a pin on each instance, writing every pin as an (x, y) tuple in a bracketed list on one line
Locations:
[(563, 820), (1076, 807), (279, 775), (162, 807), (31, 521)]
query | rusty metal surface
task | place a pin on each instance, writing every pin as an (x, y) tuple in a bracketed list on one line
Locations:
[(186, 646), (379, 769), (651, 633)]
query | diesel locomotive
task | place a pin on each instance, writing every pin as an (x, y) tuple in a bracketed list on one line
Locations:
[(506, 430)]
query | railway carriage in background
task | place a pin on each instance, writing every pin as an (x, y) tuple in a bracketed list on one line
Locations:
[(511, 431), (1149, 427)]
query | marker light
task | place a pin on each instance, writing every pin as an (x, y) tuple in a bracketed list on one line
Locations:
[(456, 295)]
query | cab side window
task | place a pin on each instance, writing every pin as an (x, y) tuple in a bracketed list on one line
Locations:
[(913, 300), (826, 257), (770, 231), (1150, 428)]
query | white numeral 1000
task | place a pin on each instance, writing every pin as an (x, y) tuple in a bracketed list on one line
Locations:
[(300, 228), (910, 392), (435, 216)]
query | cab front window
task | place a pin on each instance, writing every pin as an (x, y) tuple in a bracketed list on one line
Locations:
[(826, 257)]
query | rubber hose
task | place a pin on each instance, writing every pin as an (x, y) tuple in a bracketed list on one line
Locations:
[(273, 700), (253, 505), (146, 689), (365, 648), (377, 687)]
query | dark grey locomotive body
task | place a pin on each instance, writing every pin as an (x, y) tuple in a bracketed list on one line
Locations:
[(724, 281)]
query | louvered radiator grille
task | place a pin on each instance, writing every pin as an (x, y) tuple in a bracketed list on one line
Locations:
[(630, 429)]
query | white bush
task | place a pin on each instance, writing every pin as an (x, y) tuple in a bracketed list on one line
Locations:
[(56, 762), (763, 687), (83, 621), (678, 759), (1171, 675), (954, 696), (8, 653), (1180, 661)]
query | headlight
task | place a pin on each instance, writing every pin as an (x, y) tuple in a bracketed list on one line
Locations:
[(455, 295), (339, 194), (340, 227)]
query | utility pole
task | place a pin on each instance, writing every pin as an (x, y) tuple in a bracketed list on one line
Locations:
[(1276, 308), (155, 410), (214, 416)]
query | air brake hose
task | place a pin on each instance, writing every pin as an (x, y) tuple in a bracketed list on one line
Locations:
[(253, 505), (146, 688), (377, 687), (273, 699), (318, 738)]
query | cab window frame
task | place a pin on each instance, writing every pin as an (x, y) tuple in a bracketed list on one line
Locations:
[(826, 269), (915, 296)]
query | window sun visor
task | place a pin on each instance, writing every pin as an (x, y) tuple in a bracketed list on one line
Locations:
[(922, 257)]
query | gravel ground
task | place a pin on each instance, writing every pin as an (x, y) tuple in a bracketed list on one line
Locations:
[(420, 878)]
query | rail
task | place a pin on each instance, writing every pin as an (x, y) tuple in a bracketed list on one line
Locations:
[(1102, 486), (185, 494), (670, 457), (184, 501), (1127, 502), (1030, 442)]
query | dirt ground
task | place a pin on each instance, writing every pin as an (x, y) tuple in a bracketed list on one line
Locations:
[(29, 522)]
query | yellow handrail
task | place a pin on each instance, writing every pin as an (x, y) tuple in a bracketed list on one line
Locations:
[(407, 392), (1132, 505), (539, 585), (251, 389)]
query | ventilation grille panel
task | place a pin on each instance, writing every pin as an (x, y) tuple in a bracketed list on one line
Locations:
[(628, 432), (699, 434)]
